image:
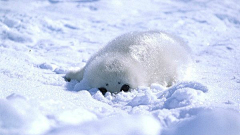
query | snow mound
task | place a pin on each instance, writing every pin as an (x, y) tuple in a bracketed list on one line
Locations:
[(17, 116), (192, 85), (156, 96), (184, 94), (212, 122), (115, 125), (183, 97)]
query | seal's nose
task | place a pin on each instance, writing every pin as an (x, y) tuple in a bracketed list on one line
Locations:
[(125, 88), (103, 90)]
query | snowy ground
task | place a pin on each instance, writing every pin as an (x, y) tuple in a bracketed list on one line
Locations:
[(40, 40)]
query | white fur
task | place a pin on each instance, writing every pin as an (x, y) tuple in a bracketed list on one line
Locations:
[(136, 59)]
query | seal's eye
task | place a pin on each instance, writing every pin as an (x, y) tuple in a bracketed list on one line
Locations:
[(125, 88), (103, 90)]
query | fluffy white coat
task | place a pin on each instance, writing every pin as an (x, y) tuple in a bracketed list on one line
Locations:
[(136, 59)]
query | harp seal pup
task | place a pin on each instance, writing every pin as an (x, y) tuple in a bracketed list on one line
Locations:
[(136, 59)]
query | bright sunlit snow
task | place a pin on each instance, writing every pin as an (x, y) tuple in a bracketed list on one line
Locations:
[(40, 40)]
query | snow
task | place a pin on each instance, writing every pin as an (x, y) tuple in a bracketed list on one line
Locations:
[(148, 126), (211, 122), (41, 40)]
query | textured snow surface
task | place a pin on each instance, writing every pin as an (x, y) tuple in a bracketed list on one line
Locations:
[(40, 40)]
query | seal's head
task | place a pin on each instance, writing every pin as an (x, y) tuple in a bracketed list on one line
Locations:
[(113, 73)]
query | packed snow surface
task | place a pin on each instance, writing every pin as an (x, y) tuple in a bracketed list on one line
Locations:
[(40, 40)]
